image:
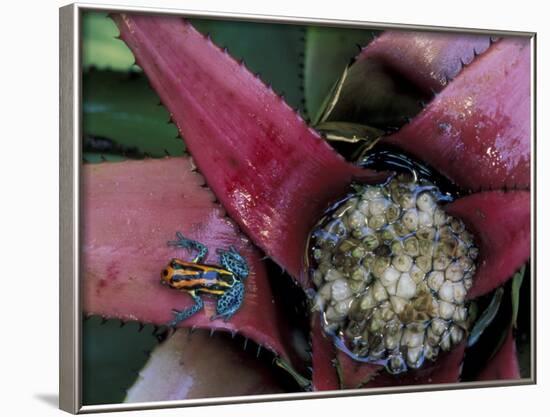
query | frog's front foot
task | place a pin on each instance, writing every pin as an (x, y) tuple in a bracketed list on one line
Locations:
[(179, 316), (189, 244)]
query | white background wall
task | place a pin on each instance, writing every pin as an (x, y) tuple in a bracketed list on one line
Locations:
[(29, 208)]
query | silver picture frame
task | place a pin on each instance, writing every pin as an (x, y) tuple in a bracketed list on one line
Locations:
[(70, 320)]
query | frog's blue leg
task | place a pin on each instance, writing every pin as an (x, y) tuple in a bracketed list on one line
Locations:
[(188, 312), (190, 245), (234, 262), (230, 302)]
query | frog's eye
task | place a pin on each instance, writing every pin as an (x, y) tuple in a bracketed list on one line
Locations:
[(165, 276)]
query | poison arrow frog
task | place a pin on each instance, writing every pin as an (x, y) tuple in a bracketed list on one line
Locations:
[(225, 282)]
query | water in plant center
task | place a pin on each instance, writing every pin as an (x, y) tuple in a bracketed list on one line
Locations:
[(392, 270)]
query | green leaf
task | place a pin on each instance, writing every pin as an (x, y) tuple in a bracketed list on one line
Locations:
[(517, 280), (370, 94), (272, 50), (125, 109), (111, 357), (96, 158), (100, 46), (98, 149), (351, 140), (327, 53), (302, 381), (348, 132), (486, 317)]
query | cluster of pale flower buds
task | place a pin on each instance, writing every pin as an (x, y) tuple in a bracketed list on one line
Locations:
[(392, 270)]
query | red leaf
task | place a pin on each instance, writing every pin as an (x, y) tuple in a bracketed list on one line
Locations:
[(477, 130), (272, 173), (427, 59), (131, 210), (324, 376), (501, 223), (446, 369), (504, 365), (356, 374), (198, 366)]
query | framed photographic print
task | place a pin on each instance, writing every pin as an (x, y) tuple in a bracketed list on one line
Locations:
[(257, 208)]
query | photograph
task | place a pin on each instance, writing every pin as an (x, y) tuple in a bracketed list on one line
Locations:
[(272, 209)]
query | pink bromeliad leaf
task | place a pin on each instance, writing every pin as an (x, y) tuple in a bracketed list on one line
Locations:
[(272, 173), (501, 222), (352, 374), (428, 60), (396, 73), (477, 130), (446, 369), (132, 210), (197, 365), (324, 375)]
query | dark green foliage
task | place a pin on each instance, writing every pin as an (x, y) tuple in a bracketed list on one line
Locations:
[(498, 313), (112, 357), (271, 50), (95, 158), (98, 149), (521, 310), (517, 280), (327, 53), (486, 317), (370, 94), (123, 108)]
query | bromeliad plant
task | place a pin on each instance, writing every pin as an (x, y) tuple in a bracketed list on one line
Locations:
[(391, 263)]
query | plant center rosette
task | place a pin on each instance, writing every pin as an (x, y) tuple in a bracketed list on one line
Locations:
[(392, 271)]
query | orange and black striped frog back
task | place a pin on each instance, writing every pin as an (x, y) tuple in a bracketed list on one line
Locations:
[(197, 278)]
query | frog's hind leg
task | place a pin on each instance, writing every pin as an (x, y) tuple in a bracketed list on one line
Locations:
[(234, 262), (230, 302), (188, 312), (183, 242)]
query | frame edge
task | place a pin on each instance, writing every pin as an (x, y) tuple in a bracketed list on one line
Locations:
[(69, 393), (70, 398)]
